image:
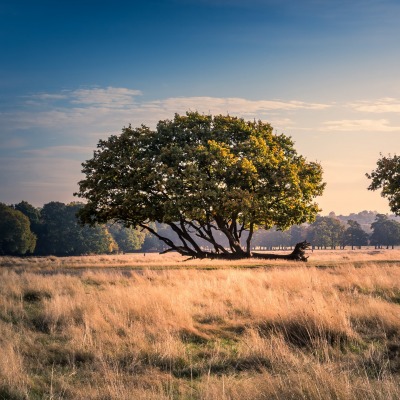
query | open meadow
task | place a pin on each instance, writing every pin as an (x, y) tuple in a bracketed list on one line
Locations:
[(158, 327)]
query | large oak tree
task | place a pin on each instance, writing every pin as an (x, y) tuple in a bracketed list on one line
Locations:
[(206, 177)]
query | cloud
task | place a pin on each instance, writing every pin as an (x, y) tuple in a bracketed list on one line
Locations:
[(95, 97), (98, 111), (384, 105), (109, 97), (234, 105), (49, 96), (360, 125), (124, 98)]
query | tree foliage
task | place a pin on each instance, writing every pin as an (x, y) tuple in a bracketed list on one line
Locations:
[(62, 235), (386, 176), (16, 237), (354, 235), (385, 232), (326, 231), (30, 211), (202, 176), (57, 231), (127, 239)]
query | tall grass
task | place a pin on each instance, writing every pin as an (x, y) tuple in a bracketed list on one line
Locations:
[(326, 330)]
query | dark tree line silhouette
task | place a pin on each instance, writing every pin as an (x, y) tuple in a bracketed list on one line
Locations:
[(55, 230)]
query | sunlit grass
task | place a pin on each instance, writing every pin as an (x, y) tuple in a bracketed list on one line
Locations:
[(328, 329)]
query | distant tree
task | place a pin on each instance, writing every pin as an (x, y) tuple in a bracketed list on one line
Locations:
[(354, 235), (30, 211), (201, 175), (385, 231), (128, 239), (34, 217), (95, 240), (152, 243), (54, 237), (318, 233), (271, 238), (387, 177), (277, 238), (16, 237), (297, 233), (326, 231), (62, 234)]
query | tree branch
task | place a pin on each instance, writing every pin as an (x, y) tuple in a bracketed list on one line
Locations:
[(233, 243), (204, 232), (180, 249)]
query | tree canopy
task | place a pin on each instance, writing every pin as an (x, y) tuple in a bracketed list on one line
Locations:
[(386, 176), (203, 176), (354, 235), (326, 231), (127, 239), (385, 231), (16, 237), (62, 235)]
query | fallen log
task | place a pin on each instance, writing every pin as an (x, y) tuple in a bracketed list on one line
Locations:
[(298, 254)]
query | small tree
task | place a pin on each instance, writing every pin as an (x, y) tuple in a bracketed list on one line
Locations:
[(326, 231), (16, 237), (387, 177), (354, 235), (62, 235), (127, 238), (201, 175), (298, 233), (30, 211), (386, 232)]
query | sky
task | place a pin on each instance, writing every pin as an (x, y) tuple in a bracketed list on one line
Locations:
[(325, 72)]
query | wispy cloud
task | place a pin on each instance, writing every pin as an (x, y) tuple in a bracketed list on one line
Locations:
[(112, 97), (360, 125), (234, 105), (384, 105), (109, 97), (95, 97), (49, 96), (98, 111), (88, 112)]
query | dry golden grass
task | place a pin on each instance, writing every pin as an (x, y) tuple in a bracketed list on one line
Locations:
[(328, 329)]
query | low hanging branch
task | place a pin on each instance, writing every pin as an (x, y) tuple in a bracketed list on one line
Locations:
[(298, 254)]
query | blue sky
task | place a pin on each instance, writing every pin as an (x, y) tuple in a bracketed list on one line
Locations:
[(322, 71)]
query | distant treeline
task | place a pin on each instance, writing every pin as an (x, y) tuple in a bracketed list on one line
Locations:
[(55, 230)]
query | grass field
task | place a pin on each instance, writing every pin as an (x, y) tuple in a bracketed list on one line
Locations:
[(157, 327)]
